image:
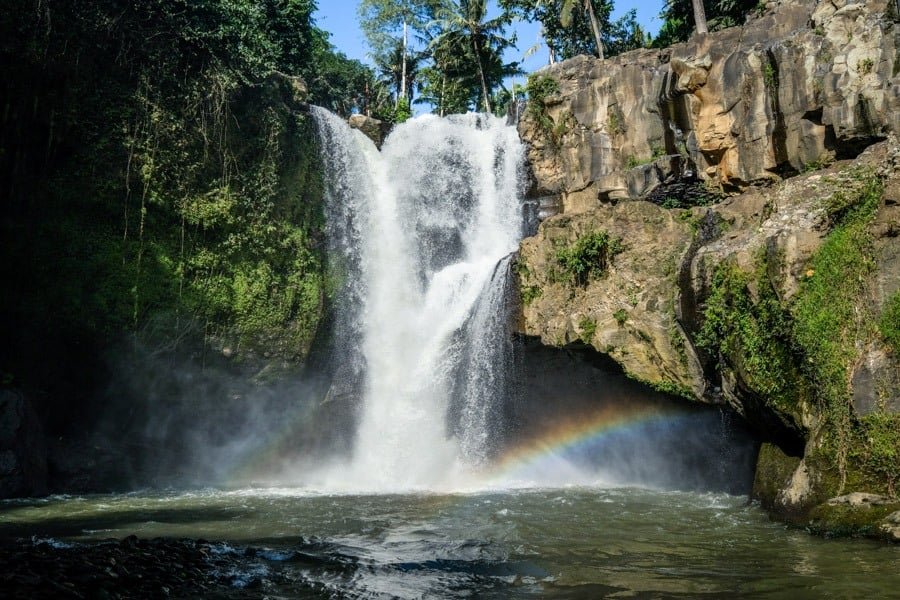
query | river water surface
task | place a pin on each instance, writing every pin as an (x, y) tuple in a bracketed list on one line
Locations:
[(546, 543)]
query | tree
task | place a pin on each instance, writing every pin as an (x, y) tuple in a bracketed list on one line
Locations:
[(699, 16), (625, 34), (464, 31), (445, 92), (399, 74), (386, 25), (679, 15), (572, 27), (565, 18)]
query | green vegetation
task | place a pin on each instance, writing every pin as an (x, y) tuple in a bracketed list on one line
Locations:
[(588, 327), (621, 316), (163, 182), (685, 216), (889, 323), (386, 25), (877, 447), (614, 123), (770, 76), (773, 467), (678, 340), (530, 293), (678, 18), (655, 153), (843, 520), (451, 53), (567, 28), (539, 89), (804, 353), (830, 316), (666, 387), (865, 66), (752, 334), (467, 49), (588, 257), (826, 311), (403, 112), (820, 163)]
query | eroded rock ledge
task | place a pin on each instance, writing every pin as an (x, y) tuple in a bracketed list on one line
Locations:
[(800, 85), (781, 300)]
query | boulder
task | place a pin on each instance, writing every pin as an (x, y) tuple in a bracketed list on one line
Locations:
[(861, 499), (890, 527), (374, 129)]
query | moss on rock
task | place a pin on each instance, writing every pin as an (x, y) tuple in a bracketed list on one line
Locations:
[(844, 520), (773, 470)]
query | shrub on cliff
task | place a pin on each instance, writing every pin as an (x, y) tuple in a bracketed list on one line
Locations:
[(589, 256)]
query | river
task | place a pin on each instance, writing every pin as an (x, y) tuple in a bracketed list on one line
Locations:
[(573, 542)]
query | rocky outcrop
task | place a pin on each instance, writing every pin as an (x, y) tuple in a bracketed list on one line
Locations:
[(629, 312), (774, 300), (718, 304), (374, 129), (799, 86)]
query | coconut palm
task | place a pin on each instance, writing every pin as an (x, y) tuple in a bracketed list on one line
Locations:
[(569, 27), (399, 69), (565, 17), (465, 30)]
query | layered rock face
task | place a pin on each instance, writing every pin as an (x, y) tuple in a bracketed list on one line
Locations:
[(781, 299), (802, 84)]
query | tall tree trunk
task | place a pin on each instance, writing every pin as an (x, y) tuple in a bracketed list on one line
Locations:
[(403, 67), (484, 89), (595, 26), (699, 16)]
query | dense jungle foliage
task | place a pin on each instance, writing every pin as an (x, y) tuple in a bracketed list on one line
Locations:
[(160, 181)]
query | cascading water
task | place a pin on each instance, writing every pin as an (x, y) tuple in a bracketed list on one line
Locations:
[(418, 233), (486, 367)]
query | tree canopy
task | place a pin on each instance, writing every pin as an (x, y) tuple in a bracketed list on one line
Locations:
[(567, 29), (678, 18), (471, 46)]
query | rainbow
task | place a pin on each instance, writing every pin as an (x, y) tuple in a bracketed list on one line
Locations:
[(550, 458), (581, 436)]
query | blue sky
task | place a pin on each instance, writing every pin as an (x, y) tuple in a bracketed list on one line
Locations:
[(340, 19)]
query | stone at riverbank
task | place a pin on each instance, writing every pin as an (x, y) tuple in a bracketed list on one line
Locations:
[(139, 568)]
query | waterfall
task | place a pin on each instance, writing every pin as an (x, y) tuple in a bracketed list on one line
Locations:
[(486, 367), (419, 236)]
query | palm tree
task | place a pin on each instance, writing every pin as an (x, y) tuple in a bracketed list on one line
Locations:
[(463, 26), (399, 69), (565, 17)]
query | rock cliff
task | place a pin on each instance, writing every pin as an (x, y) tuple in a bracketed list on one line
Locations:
[(728, 233)]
